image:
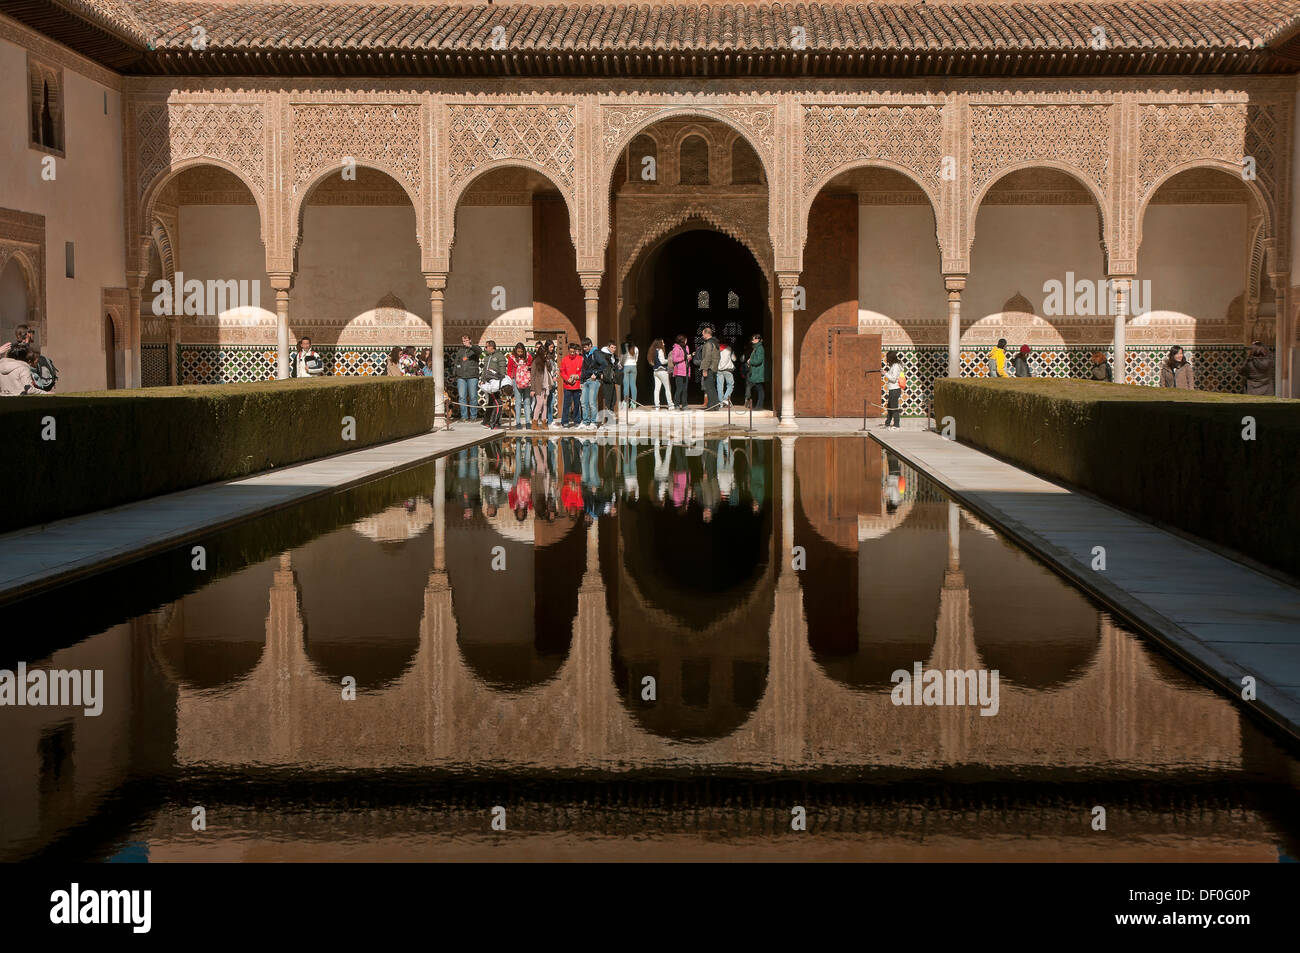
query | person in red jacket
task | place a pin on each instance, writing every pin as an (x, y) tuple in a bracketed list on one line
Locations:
[(570, 379)]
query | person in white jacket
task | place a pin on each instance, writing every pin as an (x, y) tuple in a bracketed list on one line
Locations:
[(306, 362), (726, 373), (658, 359)]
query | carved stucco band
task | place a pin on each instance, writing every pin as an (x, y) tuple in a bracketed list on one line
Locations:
[(1120, 147)]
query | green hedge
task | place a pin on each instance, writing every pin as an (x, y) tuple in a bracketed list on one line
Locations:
[(112, 447), (1176, 456)]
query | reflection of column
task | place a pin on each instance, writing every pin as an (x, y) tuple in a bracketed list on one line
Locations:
[(1121, 288), (787, 641), (284, 644), (440, 514), (593, 649), (437, 285), (437, 666), (954, 646), (788, 282), (954, 284), (281, 283), (591, 300), (1118, 691)]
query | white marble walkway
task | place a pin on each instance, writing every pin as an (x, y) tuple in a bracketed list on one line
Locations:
[(1221, 617)]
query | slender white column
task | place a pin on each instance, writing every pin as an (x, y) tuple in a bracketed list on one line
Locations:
[(281, 283), (1121, 291), (954, 285), (788, 282)]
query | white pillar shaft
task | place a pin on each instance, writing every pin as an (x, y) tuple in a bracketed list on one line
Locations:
[(1120, 370), (281, 333), (787, 352)]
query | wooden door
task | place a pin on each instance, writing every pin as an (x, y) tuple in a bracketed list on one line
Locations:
[(855, 375)]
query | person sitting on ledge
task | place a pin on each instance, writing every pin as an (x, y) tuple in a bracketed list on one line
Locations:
[(16, 373)]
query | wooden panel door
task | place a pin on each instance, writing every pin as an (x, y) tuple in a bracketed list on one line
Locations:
[(855, 375)]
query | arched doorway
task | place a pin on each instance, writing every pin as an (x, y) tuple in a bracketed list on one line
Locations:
[(695, 277), (110, 354)]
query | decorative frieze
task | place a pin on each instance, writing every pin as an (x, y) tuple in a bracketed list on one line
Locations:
[(167, 134), (906, 136), (386, 135)]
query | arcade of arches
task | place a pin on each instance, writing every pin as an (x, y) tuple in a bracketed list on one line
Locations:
[(931, 213)]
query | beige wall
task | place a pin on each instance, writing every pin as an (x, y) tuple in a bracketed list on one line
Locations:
[(494, 248), (223, 243), (900, 280), (82, 205), (351, 257), (1196, 258)]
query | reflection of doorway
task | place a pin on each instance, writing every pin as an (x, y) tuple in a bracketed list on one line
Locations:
[(110, 354), (695, 278)]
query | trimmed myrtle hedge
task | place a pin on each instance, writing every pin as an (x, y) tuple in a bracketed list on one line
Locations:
[(1176, 456), (112, 447)]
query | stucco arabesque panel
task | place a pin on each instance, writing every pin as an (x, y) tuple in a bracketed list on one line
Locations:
[(621, 122)]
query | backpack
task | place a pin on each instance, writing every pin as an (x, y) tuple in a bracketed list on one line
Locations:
[(44, 374), (993, 366), (608, 372)]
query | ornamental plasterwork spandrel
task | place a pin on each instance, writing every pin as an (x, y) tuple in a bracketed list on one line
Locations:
[(1173, 134), (1076, 136), (542, 134), (384, 134), (167, 133), (909, 136)]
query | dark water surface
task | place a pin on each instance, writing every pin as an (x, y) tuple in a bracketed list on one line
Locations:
[(635, 650)]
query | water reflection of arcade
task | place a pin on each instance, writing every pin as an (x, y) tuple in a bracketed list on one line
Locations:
[(689, 586), (1106, 700)]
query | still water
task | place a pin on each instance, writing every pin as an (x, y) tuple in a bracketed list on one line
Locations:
[(636, 650)]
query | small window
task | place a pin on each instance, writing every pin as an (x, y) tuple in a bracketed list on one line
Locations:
[(733, 301), (702, 300), (69, 254), (693, 161), (105, 102), (45, 91)]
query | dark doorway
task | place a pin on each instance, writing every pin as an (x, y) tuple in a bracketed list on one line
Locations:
[(110, 354), (695, 278)]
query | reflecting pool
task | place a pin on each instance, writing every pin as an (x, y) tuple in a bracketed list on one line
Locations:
[(637, 649)]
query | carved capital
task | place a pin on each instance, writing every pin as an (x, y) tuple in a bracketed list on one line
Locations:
[(281, 282), (954, 285), (436, 282), (787, 281), (590, 282)]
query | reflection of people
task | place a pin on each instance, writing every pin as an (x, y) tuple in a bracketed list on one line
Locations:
[(893, 491)]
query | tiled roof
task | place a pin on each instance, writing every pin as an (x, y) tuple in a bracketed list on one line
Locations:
[(116, 16), (555, 28)]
